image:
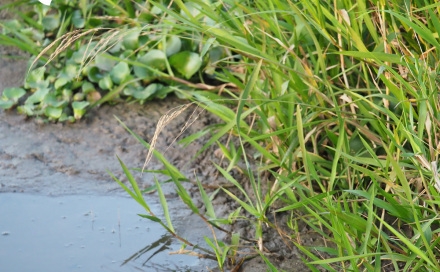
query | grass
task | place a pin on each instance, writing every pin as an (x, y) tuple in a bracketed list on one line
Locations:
[(339, 102)]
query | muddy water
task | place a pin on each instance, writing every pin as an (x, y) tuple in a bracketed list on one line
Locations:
[(84, 233)]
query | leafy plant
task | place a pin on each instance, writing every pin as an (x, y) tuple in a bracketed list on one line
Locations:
[(340, 102), (81, 54)]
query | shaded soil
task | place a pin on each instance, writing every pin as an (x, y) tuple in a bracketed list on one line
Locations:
[(65, 159)]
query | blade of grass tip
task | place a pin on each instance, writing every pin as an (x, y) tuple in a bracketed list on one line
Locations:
[(338, 150), (245, 94), (164, 204), (186, 198), (132, 195), (207, 201), (137, 193)]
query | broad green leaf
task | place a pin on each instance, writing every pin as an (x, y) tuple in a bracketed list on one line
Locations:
[(131, 39), (154, 59), (120, 73), (13, 94), (60, 82), (77, 19), (186, 63), (35, 79), (105, 83), (6, 104), (147, 92), (79, 109), (94, 75), (173, 45), (38, 96), (87, 87), (53, 113), (104, 61), (51, 22)]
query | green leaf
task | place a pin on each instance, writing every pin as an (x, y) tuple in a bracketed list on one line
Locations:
[(186, 63), (53, 113), (51, 22), (105, 83), (173, 45), (131, 39), (87, 87), (38, 96), (77, 19), (120, 73), (13, 94), (6, 105), (79, 109), (60, 82), (104, 61), (36, 80), (94, 75), (164, 204), (154, 59), (147, 92)]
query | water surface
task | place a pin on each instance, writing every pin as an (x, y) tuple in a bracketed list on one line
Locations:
[(83, 233)]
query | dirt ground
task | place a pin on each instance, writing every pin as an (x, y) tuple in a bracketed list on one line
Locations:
[(65, 159)]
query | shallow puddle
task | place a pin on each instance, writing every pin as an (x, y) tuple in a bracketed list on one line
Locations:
[(84, 233)]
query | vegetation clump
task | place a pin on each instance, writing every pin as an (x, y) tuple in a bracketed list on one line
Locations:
[(338, 98)]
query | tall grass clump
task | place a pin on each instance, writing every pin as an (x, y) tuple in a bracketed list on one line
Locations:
[(340, 101), (335, 109)]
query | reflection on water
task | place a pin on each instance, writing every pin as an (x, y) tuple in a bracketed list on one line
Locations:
[(84, 233)]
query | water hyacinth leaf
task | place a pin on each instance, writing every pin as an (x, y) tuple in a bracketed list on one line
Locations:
[(77, 19), (64, 117), (104, 62), (53, 112), (35, 79), (66, 94), (131, 39), (52, 100), (120, 73), (13, 94), (147, 92), (69, 72), (173, 45), (60, 82), (94, 75), (162, 91), (87, 87), (11, 25), (6, 104), (85, 51), (154, 59), (26, 109), (79, 109), (106, 83), (38, 96), (78, 97), (51, 22), (186, 63)]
